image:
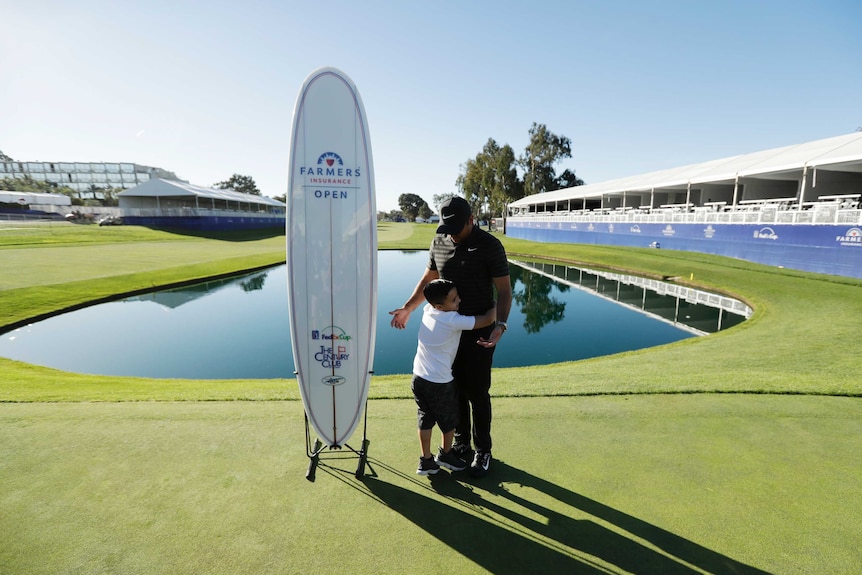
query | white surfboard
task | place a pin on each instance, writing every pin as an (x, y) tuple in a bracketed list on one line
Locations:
[(331, 253)]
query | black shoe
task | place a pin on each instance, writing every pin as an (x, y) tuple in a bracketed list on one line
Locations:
[(462, 451), (427, 466), (450, 461), (481, 464)]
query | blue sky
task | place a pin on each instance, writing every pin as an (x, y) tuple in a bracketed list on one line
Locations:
[(207, 89)]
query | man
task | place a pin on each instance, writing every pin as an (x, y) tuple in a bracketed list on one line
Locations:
[(476, 262)]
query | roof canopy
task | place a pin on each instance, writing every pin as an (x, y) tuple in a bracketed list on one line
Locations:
[(842, 153), (172, 189), (34, 198)]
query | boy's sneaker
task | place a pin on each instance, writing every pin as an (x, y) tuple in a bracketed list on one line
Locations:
[(481, 464), (427, 466), (462, 451), (449, 460)]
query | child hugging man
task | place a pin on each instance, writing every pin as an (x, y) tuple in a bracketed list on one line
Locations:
[(433, 385)]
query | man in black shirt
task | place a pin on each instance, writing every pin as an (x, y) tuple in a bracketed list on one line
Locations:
[(476, 262)]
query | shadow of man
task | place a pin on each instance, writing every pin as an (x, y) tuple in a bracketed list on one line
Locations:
[(538, 539)]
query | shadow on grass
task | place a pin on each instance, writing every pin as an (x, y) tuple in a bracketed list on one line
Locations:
[(503, 540)]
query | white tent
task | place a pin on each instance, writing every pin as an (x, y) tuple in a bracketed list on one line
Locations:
[(798, 163), (34, 199), (158, 193)]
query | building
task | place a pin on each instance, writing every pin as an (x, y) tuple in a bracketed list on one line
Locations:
[(84, 177)]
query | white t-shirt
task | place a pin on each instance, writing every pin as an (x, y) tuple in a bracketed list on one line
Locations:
[(439, 335)]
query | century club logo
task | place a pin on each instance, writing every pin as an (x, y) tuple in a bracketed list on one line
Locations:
[(852, 237), (668, 230), (335, 354)]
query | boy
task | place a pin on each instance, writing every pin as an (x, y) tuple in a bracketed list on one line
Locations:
[(433, 385)]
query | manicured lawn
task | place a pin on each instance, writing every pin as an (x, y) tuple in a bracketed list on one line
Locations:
[(641, 484), (733, 453)]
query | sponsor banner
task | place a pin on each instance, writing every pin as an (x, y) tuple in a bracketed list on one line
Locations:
[(829, 248)]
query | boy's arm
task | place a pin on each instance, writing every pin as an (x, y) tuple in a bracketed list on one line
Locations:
[(401, 315), (486, 319)]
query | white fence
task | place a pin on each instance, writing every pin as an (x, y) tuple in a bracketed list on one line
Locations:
[(817, 215)]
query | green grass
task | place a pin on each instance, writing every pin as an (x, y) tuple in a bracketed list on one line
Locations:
[(633, 484), (732, 453)]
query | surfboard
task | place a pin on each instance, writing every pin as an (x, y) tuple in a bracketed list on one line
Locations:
[(331, 253)]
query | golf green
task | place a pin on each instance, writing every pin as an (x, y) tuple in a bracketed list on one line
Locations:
[(648, 484)]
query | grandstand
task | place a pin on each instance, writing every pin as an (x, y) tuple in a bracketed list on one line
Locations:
[(796, 207), (171, 204)]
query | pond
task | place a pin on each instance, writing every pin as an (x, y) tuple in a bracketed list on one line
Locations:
[(237, 328)]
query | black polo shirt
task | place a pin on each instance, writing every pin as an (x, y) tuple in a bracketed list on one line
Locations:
[(471, 265)]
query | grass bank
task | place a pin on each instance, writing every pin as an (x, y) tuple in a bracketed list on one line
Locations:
[(802, 338)]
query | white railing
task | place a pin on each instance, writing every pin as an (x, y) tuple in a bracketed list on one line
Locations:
[(197, 212), (820, 215)]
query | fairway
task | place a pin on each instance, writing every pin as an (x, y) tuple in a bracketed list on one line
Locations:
[(733, 453)]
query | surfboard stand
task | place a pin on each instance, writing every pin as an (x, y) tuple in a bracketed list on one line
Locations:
[(314, 451)]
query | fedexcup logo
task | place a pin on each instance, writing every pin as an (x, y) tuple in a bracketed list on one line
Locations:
[(668, 230), (635, 229), (330, 332), (708, 231), (853, 237)]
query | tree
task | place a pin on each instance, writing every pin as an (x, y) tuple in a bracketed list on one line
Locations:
[(28, 184), (239, 183), (411, 204), (567, 179), (545, 150), (469, 182), (490, 180), (5, 158), (503, 182), (425, 211)]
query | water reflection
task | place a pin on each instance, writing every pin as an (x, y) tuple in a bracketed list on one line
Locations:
[(534, 298), (700, 311), (173, 298), (237, 328)]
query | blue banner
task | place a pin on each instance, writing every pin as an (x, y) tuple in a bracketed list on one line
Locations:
[(827, 248)]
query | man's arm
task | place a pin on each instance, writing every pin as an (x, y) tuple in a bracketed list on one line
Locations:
[(401, 316), (504, 305)]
